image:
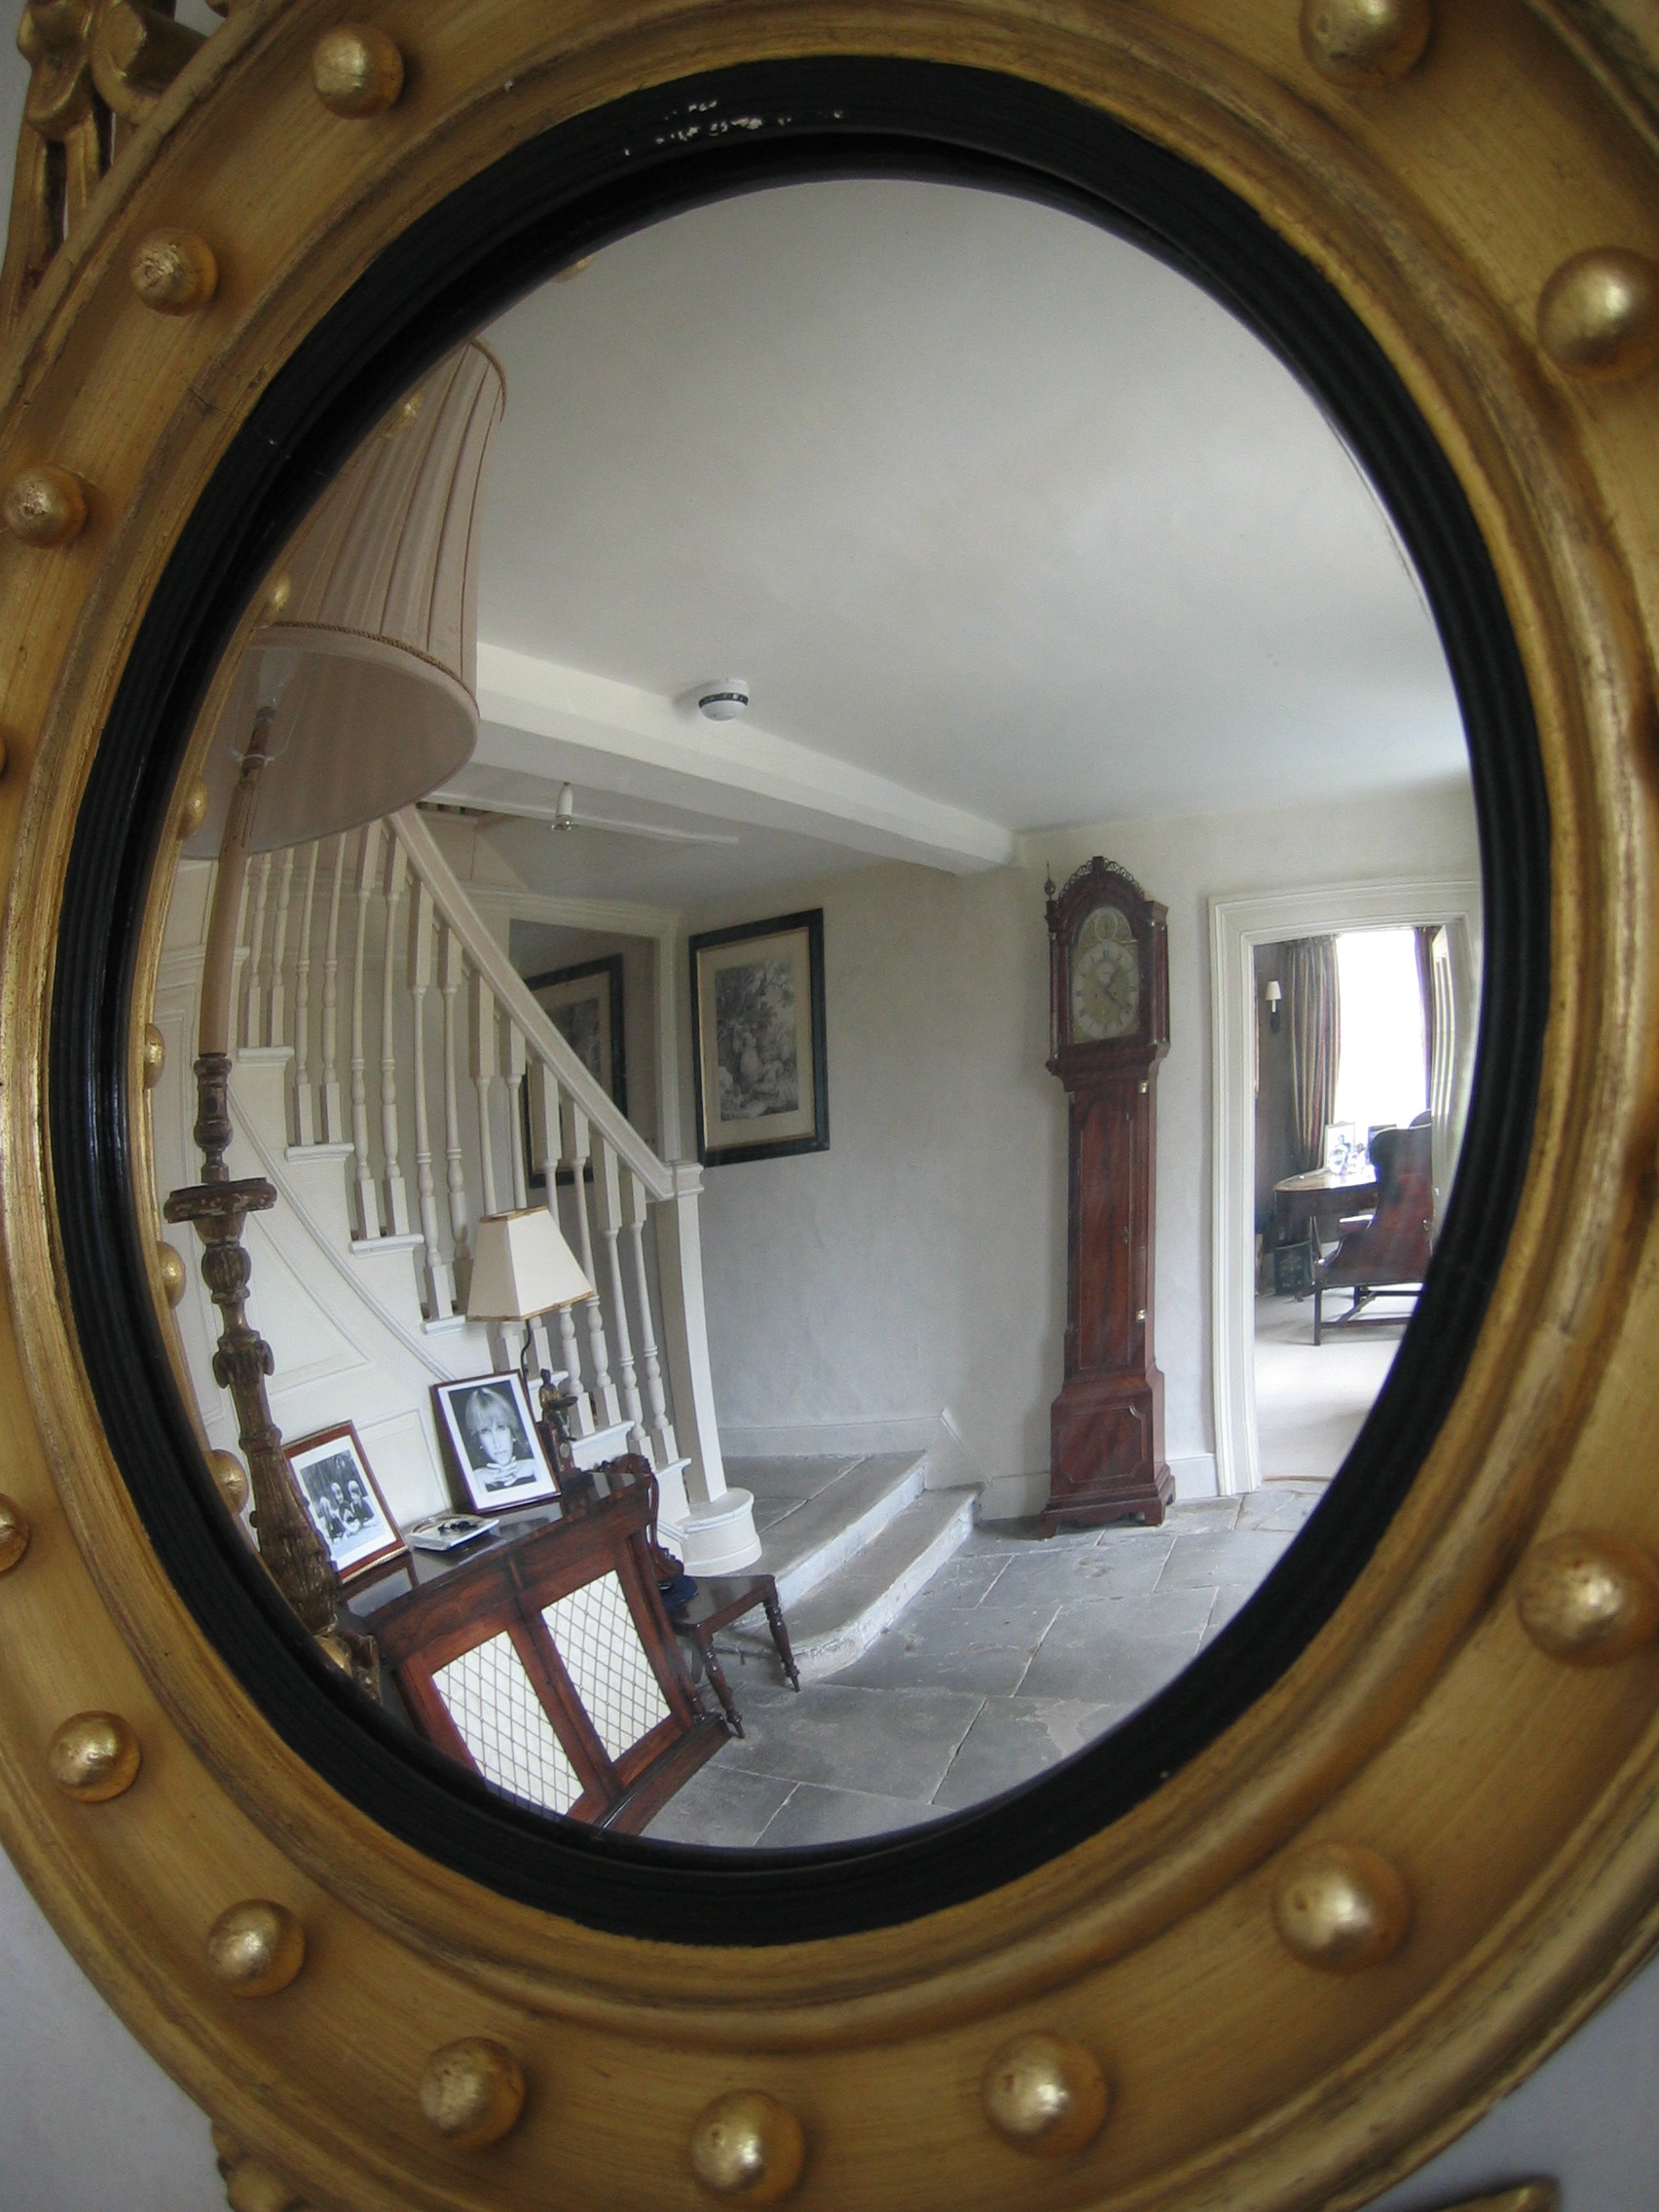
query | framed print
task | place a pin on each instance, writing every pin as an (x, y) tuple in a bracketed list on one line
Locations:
[(491, 1441), (344, 1499), (585, 1004), (762, 1086)]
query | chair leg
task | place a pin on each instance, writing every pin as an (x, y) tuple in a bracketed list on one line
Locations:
[(705, 1643), (781, 1637), (1318, 1296)]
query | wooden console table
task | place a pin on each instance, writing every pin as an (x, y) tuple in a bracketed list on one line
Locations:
[(542, 1659)]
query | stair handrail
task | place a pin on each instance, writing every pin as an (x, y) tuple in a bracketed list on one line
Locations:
[(513, 996)]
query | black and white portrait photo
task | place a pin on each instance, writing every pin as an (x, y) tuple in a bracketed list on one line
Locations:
[(344, 1499), (492, 1442), (757, 1010)]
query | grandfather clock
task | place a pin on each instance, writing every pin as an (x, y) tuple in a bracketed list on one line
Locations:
[(1108, 1027)]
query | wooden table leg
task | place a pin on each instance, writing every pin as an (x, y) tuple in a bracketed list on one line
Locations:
[(704, 1639), (781, 1637)]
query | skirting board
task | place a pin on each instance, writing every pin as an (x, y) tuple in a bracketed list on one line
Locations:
[(1022, 1497)]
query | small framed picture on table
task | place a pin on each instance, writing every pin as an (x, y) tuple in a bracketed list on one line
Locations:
[(343, 1501), (491, 1442)]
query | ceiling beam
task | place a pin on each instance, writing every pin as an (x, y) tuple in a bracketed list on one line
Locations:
[(544, 719)]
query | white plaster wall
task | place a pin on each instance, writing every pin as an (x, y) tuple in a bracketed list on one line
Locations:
[(918, 1265)]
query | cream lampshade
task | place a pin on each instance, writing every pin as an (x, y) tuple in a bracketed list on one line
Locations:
[(366, 658), (522, 1266)]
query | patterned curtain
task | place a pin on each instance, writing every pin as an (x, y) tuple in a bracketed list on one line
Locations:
[(1315, 1041), (1425, 984)]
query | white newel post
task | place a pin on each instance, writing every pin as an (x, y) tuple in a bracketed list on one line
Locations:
[(719, 1534)]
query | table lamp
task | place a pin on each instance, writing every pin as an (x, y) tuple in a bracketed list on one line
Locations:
[(521, 1267)]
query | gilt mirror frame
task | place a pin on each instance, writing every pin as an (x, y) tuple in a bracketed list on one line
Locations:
[(1512, 1791)]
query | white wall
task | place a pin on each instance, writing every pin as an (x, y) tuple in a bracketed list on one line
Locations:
[(919, 1264)]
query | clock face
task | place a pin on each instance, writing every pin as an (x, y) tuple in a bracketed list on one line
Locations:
[(1105, 977)]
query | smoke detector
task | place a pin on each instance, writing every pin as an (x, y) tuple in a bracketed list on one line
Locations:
[(725, 701)]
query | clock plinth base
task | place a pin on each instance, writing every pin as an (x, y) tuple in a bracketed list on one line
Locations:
[(1106, 1454)]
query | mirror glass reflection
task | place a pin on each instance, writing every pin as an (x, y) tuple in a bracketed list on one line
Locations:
[(838, 904)]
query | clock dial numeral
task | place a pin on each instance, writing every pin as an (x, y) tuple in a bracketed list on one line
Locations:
[(1105, 977)]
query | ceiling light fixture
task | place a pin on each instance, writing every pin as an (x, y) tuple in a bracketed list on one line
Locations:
[(725, 701)]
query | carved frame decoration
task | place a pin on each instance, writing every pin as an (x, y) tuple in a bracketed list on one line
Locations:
[(1445, 1797)]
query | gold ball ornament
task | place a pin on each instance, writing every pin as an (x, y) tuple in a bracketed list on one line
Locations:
[(254, 2187), (1588, 1599), (15, 1532), (193, 808), (747, 2148), (231, 1476), (255, 1949), (473, 2092), (1599, 314), (356, 71), (1046, 2095), (155, 1055), (1340, 1907), (170, 1269), (1365, 41), (94, 1757), (44, 506), (173, 272)]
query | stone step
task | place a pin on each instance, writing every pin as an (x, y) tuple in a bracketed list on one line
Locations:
[(815, 1515), (840, 1618)]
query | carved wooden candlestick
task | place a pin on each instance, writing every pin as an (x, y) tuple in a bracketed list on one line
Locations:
[(292, 1551)]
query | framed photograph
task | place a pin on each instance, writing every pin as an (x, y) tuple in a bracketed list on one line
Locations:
[(344, 1499), (584, 1005), (491, 1442), (762, 1086)]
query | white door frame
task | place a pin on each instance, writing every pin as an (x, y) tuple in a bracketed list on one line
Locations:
[(1238, 925)]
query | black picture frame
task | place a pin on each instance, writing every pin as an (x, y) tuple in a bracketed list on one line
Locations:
[(801, 1107), (614, 1079)]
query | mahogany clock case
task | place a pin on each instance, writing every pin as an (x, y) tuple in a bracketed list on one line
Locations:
[(553, 199)]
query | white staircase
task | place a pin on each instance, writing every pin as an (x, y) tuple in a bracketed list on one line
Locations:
[(395, 1080), (849, 1542)]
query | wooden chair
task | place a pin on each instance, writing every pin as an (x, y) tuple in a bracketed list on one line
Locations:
[(719, 1600), (548, 1665), (1386, 1252)]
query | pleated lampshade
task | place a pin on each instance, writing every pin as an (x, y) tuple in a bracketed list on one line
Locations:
[(369, 652)]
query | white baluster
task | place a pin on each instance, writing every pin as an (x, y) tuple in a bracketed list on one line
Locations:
[(277, 1014), (333, 1118), (633, 1201), (607, 1204), (396, 1191), (253, 1030), (454, 1169), (544, 1158), (440, 1279), (574, 1129), (518, 1057), (305, 1099), (686, 1333), (484, 1077), (368, 1206)]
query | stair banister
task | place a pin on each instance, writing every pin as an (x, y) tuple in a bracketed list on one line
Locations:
[(593, 1129)]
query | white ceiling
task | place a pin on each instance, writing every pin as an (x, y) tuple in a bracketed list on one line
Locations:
[(1007, 525)]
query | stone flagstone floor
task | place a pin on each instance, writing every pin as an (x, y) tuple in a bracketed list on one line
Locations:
[(1016, 1654)]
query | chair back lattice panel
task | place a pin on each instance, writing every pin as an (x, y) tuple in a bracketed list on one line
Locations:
[(493, 1702), (594, 1634)]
